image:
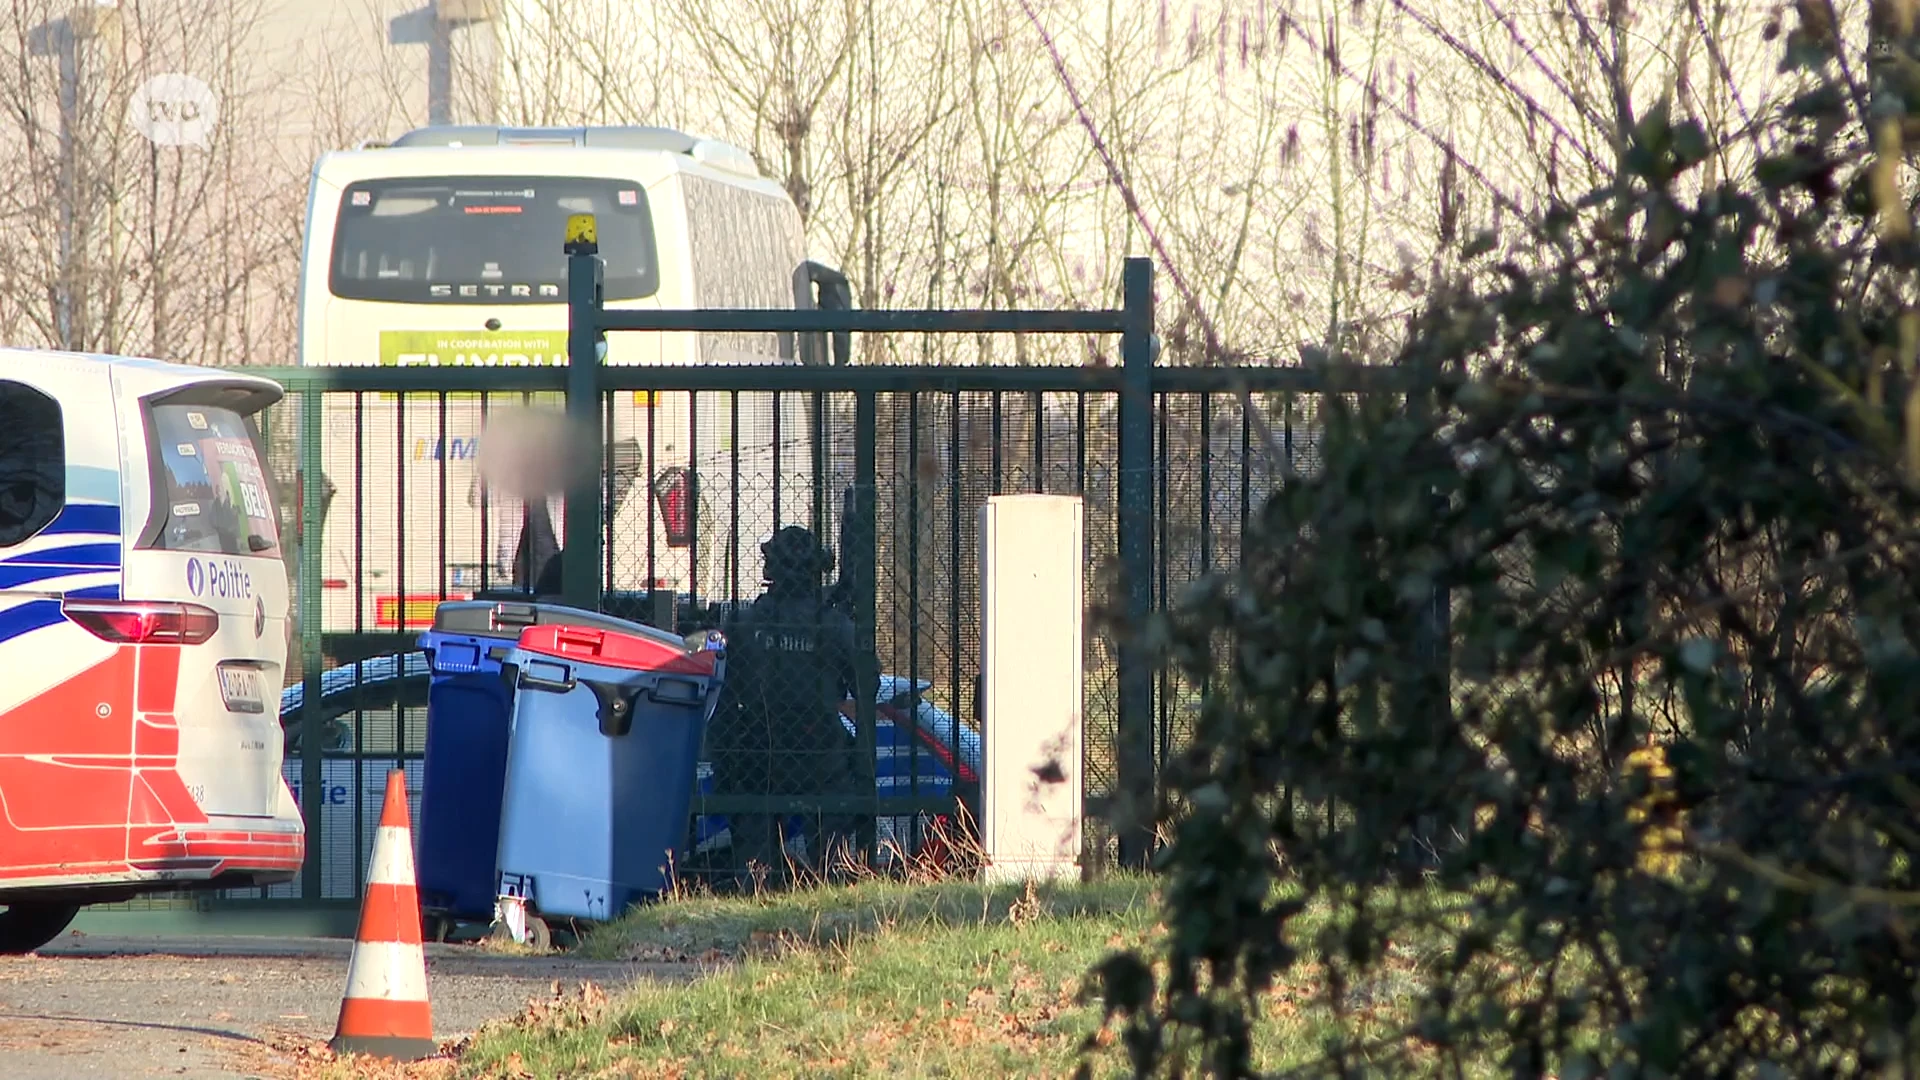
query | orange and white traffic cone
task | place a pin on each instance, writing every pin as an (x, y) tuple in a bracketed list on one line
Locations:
[(385, 1013)]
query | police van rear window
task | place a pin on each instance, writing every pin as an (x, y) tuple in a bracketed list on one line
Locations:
[(210, 474)]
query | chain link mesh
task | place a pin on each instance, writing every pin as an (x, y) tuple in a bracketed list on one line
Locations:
[(851, 716)]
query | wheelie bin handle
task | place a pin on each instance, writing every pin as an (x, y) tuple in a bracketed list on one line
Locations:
[(579, 639), (686, 692), (507, 613), (454, 658), (529, 681)]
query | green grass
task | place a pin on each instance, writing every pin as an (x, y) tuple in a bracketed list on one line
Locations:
[(943, 984), (872, 980), (879, 979), (696, 928)]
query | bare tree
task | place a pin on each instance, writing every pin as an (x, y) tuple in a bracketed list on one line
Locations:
[(1303, 163), (117, 242)]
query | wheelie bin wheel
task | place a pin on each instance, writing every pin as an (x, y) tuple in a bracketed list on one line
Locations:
[(26, 927), (539, 934)]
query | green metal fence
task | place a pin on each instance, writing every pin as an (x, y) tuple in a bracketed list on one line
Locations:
[(892, 467)]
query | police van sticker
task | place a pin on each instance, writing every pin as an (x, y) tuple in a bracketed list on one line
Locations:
[(223, 578), (629, 198), (363, 198), (198, 421), (187, 449)]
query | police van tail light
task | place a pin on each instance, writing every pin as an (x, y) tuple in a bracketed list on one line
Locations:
[(134, 623)]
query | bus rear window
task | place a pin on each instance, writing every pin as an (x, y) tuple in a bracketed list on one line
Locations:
[(214, 490), (486, 239)]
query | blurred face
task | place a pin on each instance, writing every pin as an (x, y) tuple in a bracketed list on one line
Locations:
[(532, 453)]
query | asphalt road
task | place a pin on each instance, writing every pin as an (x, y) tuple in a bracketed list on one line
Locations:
[(234, 1006)]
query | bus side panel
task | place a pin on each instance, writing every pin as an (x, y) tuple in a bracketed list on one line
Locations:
[(412, 514), (323, 203), (406, 524), (649, 427), (744, 245)]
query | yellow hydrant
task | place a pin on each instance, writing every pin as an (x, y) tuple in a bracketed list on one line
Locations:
[(1663, 840)]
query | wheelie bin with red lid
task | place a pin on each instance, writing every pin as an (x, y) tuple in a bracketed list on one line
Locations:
[(605, 739), (469, 707)]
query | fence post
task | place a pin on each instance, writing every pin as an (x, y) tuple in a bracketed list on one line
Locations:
[(580, 556), (312, 722), (861, 562), (822, 474), (1134, 800), (1423, 696)]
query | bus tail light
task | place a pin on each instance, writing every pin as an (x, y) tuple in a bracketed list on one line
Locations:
[(136, 623), (670, 492)]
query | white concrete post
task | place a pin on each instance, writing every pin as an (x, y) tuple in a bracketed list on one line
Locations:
[(1032, 608)]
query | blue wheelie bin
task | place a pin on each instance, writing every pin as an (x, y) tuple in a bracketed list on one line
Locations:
[(469, 707), (606, 736)]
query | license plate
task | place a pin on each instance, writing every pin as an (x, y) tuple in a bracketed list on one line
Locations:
[(243, 689)]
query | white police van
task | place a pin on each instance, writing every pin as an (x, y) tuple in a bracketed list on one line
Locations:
[(144, 631)]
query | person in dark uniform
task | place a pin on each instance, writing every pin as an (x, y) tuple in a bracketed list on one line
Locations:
[(790, 664)]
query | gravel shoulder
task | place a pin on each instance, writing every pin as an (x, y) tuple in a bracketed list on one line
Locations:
[(232, 1006)]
